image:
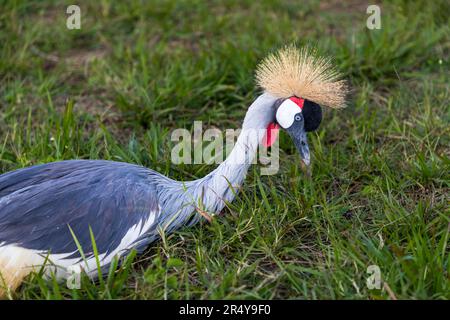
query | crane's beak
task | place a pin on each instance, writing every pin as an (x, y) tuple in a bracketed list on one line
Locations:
[(301, 143)]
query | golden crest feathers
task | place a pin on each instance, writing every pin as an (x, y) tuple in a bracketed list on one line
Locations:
[(302, 73)]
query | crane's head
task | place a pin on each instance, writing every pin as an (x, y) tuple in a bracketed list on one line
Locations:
[(302, 81), (298, 116)]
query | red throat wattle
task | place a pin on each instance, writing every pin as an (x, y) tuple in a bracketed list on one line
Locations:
[(273, 128), (271, 134)]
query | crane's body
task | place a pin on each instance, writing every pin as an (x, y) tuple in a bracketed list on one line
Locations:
[(46, 209), (49, 213)]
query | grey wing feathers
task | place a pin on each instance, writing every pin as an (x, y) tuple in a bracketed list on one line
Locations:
[(38, 204)]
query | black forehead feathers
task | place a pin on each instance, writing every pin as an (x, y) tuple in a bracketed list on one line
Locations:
[(312, 113)]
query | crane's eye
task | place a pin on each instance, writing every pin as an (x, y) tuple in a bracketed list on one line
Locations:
[(297, 117)]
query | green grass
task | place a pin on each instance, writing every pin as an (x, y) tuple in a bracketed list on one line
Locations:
[(379, 189)]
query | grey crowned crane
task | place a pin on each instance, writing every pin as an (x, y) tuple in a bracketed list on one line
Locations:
[(44, 208)]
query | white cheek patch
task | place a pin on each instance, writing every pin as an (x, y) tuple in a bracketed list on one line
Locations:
[(286, 113)]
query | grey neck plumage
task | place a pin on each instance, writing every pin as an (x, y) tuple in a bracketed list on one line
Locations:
[(181, 202), (221, 185)]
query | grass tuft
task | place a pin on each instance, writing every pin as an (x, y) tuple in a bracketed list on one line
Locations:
[(379, 186)]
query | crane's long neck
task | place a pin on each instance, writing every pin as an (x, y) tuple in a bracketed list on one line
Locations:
[(222, 184)]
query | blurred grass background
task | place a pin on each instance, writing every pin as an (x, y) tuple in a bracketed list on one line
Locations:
[(136, 70)]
